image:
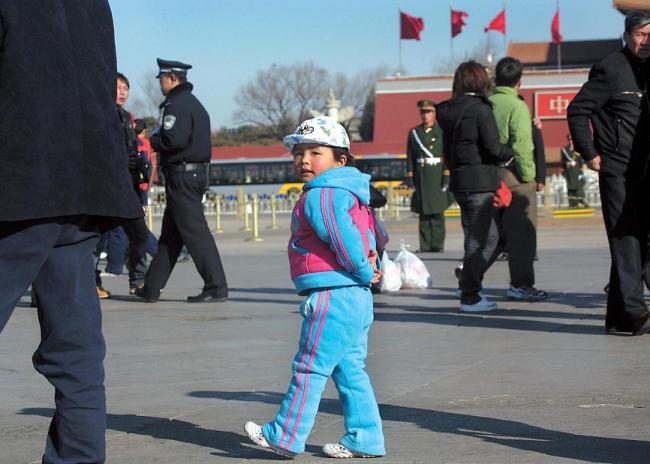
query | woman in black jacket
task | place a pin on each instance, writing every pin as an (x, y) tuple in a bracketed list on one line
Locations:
[(473, 151)]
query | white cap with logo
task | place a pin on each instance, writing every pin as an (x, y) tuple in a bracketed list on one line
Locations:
[(321, 130)]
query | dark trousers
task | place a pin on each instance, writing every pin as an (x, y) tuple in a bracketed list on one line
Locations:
[(56, 257), (518, 227), (184, 223), (625, 212), (432, 232), (117, 247), (477, 216)]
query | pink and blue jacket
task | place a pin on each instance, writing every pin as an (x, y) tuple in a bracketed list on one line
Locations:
[(330, 233)]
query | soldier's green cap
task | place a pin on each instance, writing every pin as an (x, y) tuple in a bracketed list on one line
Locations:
[(426, 104)]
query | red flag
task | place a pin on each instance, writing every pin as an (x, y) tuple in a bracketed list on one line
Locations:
[(457, 22), (410, 26), (555, 28), (498, 23)]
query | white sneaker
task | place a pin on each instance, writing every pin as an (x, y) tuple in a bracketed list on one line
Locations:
[(337, 450), (255, 434), (526, 294), (482, 305)]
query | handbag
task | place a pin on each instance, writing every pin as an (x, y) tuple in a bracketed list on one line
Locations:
[(502, 196)]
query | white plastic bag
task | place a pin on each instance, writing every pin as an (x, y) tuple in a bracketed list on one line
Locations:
[(413, 272), (390, 277)]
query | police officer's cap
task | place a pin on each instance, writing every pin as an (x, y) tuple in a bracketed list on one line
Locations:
[(426, 104), (172, 67)]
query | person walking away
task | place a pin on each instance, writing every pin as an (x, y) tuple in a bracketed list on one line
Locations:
[(519, 220), (473, 153), (333, 263), (614, 101), (429, 177), (183, 142), (64, 181)]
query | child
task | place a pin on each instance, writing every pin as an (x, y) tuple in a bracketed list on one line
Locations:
[(332, 263)]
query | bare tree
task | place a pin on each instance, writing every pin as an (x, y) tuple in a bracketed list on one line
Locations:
[(147, 105), (281, 96)]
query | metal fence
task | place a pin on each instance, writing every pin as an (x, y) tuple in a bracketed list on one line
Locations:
[(555, 194)]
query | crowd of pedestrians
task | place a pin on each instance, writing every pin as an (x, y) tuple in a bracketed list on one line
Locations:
[(481, 145)]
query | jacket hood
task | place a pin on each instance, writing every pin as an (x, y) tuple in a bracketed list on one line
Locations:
[(348, 178)]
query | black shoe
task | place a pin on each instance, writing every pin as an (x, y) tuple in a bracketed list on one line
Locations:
[(437, 250), (613, 329), (141, 292), (208, 296), (642, 325), (503, 256)]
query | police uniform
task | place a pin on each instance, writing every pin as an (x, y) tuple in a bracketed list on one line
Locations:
[(572, 165), (430, 180), (183, 142)]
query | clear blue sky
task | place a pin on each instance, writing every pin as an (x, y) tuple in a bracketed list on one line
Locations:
[(227, 41)]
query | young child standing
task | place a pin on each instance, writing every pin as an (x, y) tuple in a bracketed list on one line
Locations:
[(333, 263)]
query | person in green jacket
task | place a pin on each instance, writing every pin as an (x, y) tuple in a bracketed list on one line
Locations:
[(429, 178), (519, 220)]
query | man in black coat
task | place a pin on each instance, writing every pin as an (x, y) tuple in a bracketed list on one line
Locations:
[(183, 142), (64, 179), (614, 100)]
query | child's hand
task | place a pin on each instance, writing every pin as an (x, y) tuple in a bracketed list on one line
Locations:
[(372, 258)]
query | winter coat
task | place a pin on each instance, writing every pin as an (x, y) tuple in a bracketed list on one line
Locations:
[(472, 144), (330, 233), (614, 100), (62, 148)]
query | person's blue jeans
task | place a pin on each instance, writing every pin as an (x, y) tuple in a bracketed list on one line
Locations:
[(333, 342), (117, 244), (55, 256), (478, 217)]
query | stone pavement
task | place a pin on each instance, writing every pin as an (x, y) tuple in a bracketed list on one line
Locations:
[(529, 383)]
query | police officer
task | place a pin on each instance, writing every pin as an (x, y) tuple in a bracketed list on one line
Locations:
[(183, 142), (429, 177)]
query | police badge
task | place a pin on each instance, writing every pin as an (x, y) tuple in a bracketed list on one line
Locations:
[(169, 121)]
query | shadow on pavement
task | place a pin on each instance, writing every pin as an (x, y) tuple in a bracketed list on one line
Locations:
[(230, 445), (503, 432)]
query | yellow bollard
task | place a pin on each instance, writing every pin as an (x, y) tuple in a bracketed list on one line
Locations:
[(274, 211), (149, 217), (396, 205), (247, 225), (242, 200), (256, 223), (217, 210)]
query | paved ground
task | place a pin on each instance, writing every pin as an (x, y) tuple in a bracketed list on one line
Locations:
[(530, 383)]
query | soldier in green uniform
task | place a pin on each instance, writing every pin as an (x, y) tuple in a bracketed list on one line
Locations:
[(572, 169), (429, 179)]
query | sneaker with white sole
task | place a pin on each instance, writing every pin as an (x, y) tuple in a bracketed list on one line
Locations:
[(482, 305), (526, 294), (255, 434), (337, 450)]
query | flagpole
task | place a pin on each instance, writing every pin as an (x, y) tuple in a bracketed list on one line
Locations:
[(505, 34), (399, 37), (451, 38), (559, 45)]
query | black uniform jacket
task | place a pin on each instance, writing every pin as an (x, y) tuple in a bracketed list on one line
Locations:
[(471, 143), (614, 100), (185, 131), (61, 146)]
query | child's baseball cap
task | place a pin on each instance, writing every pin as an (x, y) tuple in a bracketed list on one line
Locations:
[(322, 130)]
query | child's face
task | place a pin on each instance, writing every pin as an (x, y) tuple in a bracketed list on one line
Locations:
[(310, 160)]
